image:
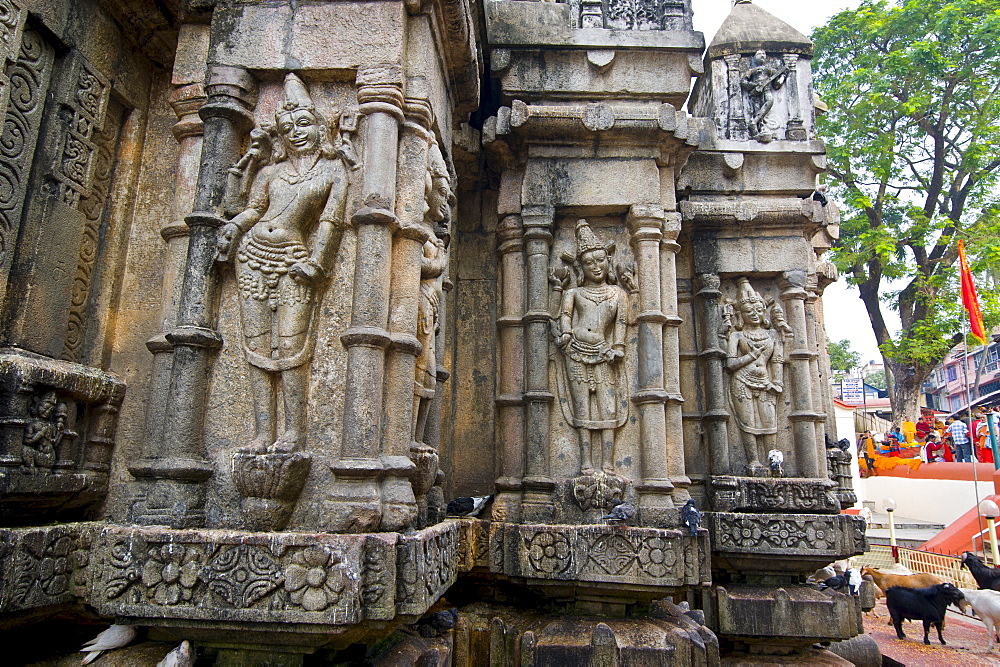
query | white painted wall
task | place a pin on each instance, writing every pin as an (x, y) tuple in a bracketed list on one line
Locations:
[(938, 500)]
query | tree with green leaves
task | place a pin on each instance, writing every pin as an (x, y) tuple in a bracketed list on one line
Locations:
[(913, 137), (842, 357)]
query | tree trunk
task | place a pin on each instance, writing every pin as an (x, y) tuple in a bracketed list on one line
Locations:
[(907, 385)]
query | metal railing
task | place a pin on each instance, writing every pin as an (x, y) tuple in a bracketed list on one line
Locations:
[(947, 567)]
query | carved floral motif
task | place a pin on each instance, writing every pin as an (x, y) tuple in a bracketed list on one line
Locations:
[(769, 533), (171, 573), (316, 578), (656, 557), (549, 553)]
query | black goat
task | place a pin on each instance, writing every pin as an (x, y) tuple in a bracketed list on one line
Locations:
[(987, 578), (921, 604)]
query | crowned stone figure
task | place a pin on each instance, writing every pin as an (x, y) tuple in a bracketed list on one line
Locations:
[(592, 322), (755, 361), (284, 242)]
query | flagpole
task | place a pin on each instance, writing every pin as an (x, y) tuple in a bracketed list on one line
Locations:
[(968, 422)]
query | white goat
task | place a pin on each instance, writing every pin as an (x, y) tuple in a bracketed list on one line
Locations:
[(986, 604)]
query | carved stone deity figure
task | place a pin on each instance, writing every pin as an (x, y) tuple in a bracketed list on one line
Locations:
[(591, 335), (284, 242), (755, 359), (764, 76), (439, 198), (43, 433)]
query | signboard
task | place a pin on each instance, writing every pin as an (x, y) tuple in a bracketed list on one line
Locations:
[(852, 390)]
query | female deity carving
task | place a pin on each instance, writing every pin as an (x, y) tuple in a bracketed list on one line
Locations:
[(755, 361), (591, 335), (439, 198), (284, 241)]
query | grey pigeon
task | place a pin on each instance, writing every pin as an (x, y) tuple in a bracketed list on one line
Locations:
[(621, 511), (181, 656), (114, 637), (691, 517), (467, 505)]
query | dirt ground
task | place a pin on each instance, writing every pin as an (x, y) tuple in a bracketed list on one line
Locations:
[(966, 641)]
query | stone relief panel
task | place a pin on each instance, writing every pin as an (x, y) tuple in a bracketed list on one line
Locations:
[(57, 424), (634, 14), (831, 536), (285, 295), (330, 580), (591, 302), (752, 334), (622, 555), (44, 566), (765, 95), (28, 77)]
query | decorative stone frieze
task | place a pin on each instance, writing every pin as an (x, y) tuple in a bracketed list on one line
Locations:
[(788, 494), (814, 535), (191, 576), (638, 560)]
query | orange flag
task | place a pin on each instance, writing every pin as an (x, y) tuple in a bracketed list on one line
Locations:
[(969, 297)]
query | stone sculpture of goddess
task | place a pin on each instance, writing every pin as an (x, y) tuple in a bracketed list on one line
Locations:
[(755, 362), (284, 242), (592, 322)]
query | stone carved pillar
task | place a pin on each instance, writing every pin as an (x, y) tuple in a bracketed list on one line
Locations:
[(174, 468), (802, 416), (826, 275), (821, 384), (537, 504), (645, 223), (372, 490), (510, 325), (669, 248), (796, 127), (714, 358), (187, 102), (407, 249), (737, 115)]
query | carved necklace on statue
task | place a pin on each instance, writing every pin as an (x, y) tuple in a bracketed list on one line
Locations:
[(757, 336), (292, 175), (598, 295)]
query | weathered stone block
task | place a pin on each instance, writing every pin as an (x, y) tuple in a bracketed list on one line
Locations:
[(755, 494), (800, 612)]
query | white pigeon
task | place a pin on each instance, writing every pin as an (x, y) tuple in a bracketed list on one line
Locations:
[(775, 458), (114, 637), (181, 656)]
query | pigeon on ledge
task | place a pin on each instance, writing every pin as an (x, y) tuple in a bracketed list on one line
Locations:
[(467, 505), (114, 637), (182, 656), (691, 517), (774, 459), (621, 511)]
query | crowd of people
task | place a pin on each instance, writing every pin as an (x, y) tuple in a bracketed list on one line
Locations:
[(929, 441)]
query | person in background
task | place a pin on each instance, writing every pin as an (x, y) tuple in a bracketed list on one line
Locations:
[(959, 432), (984, 452), (923, 430), (866, 450), (934, 449), (909, 430)]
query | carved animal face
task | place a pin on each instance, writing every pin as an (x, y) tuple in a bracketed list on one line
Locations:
[(300, 131), (595, 265)]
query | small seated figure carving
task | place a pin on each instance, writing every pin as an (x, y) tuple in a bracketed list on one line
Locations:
[(43, 432)]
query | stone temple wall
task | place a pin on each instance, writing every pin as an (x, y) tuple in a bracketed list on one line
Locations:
[(279, 280)]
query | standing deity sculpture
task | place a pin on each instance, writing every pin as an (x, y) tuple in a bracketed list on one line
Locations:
[(755, 358), (283, 243), (590, 332), (764, 76), (439, 199)]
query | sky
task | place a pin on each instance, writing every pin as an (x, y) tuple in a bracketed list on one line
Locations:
[(846, 316)]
